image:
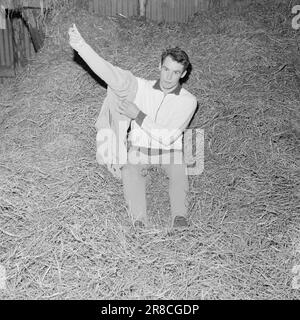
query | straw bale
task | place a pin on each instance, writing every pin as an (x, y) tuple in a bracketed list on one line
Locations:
[(65, 229)]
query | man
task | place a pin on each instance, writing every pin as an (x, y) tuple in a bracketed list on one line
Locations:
[(160, 112)]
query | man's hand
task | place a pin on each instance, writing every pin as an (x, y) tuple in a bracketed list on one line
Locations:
[(128, 109), (76, 39)]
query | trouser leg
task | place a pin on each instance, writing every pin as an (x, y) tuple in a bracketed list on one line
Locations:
[(178, 188), (134, 187)]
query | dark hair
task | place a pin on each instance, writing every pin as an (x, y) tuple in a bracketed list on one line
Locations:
[(180, 56), (177, 55)]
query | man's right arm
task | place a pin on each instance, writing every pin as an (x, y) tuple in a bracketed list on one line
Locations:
[(115, 77)]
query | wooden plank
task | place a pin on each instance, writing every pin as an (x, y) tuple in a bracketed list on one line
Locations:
[(22, 46), (149, 10), (185, 9), (124, 8), (174, 11), (177, 15), (113, 7), (127, 8), (180, 12), (119, 7), (101, 7), (194, 10), (96, 6), (188, 9), (148, 13), (4, 34), (159, 13), (2, 61), (7, 55), (91, 6), (169, 11), (160, 10), (27, 42), (199, 4), (26, 49), (165, 10), (10, 40), (105, 8), (130, 8), (180, 15)]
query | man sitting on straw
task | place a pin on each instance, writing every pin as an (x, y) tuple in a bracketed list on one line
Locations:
[(158, 112)]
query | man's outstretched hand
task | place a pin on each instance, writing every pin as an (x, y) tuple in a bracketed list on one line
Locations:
[(128, 109), (76, 39)]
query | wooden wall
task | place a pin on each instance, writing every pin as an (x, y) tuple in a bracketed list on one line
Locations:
[(156, 10), (6, 53), (114, 7), (19, 55)]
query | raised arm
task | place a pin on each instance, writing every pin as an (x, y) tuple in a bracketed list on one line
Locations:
[(115, 77)]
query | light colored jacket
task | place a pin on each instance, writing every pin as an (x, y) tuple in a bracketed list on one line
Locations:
[(162, 118), (111, 137), (111, 126)]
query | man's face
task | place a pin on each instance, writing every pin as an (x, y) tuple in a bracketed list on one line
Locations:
[(170, 73)]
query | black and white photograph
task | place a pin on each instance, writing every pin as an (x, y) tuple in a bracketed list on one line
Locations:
[(149, 151)]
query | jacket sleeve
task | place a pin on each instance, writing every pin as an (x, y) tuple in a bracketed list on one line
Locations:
[(167, 135), (115, 77)]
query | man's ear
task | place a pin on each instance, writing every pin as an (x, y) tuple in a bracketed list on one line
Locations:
[(183, 74)]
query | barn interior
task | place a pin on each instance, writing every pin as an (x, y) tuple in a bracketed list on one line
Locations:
[(65, 229)]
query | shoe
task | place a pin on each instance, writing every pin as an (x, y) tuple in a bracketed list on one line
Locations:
[(180, 222)]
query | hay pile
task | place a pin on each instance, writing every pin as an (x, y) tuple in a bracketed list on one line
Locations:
[(65, 232)]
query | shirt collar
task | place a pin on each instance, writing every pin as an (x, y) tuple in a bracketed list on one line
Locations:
[(175, 91)]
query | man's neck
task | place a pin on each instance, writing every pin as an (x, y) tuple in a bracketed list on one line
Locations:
[(166, 91), (175, 90)]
